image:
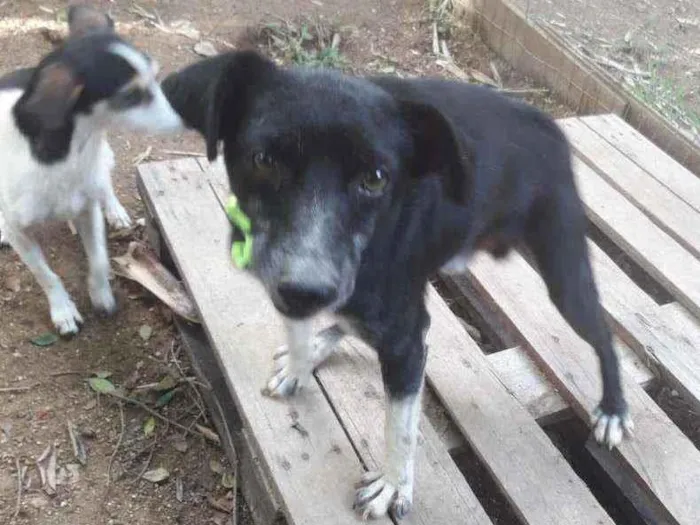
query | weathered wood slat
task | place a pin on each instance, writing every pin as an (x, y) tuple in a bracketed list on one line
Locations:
[(668, 211), (353, 384), (656, 252), (313, 473), (661, 458), (500, 430), (657, 335), (648, 156), (520, 375)]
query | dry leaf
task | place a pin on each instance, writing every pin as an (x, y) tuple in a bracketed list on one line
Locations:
[(216, 466), (184, 28), (205, 49), (221, 504), (209, 434), (145, 332), (12, 283), (140, 264), (179, 490), (77, 444), (181, 445), (149, 426), (46, 464), (157, 475)]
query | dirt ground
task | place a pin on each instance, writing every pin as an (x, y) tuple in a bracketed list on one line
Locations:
[(44, 390), (651, 46)]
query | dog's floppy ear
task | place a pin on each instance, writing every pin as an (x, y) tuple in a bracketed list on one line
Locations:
[(213, 94), (55, 92), (437, 149), (85, 19)]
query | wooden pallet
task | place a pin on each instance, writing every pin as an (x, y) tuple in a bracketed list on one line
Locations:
[(298, 460)]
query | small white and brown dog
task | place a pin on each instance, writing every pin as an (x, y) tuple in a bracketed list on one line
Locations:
[(56, 162)]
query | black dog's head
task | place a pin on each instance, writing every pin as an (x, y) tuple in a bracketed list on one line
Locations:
[(317, 160)]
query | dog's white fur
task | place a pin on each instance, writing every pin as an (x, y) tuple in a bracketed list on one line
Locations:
[(76, 189)]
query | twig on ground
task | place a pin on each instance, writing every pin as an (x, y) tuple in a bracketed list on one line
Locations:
[(604, 61), (66, 373), (156, 414), (17, 389), (20, 483), (198, 397), (119, 442), (184, 153)]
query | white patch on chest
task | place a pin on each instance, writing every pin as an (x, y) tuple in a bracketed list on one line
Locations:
[(32, 193)]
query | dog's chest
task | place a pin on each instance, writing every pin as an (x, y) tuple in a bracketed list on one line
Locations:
[(31, 192)]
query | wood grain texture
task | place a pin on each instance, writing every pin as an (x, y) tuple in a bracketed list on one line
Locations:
[(648, 156), (313, 473), (660, 458), (667, 340), (520, 375), (656, 252), (500, 430), (666, 209)]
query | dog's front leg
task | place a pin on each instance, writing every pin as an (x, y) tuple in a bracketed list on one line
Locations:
[(117, 216), (295, 362), (91, 228), (64, 314), (379, 491)]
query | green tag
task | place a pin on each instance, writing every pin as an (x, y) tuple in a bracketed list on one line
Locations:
[(241, 251)]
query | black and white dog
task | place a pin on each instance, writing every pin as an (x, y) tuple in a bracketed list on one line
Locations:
[(56, 162), (361, 189)]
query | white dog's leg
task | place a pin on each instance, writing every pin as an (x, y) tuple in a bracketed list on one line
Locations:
[(3, 235), (295, 362), (64, 314), (91, 228), (117, 216)]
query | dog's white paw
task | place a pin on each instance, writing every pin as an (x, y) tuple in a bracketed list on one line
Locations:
[(610, 429), (3, 240), (286, 379), (376, 495), (64, 314), (102, 298), (117, 216)]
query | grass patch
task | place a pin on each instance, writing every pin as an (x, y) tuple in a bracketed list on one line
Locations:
[(306, 43)]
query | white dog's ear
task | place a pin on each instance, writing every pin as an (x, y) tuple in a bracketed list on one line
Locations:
[(437, 149), (52, 96), (85, 19), (214, 94)]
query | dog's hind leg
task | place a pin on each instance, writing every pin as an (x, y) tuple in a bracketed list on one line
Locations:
[(556, 236), (64, 314), (295, 362), (91, 228)]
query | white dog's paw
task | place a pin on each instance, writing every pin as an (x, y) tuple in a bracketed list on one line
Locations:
[(610, 429), (117, 216), (286, 379), (376, 495), (64, 314), (102, 298), (3, 239)]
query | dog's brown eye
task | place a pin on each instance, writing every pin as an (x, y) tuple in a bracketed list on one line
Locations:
[(375, 181)]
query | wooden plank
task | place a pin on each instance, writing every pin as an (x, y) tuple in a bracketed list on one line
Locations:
[(655, 251), (648, 156), (321, 463), (656, 334), (680, 314), (662, 460), (668, 211), (252, 480), (495, 425), (520, 375), (353, 384)]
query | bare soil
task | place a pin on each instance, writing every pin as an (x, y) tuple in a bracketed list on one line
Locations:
[(51, 383), (651, 46)]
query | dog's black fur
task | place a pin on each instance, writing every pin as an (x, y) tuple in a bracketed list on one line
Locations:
[(308, 153)]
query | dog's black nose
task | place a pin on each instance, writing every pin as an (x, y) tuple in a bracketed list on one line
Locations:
[(304, 299)]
